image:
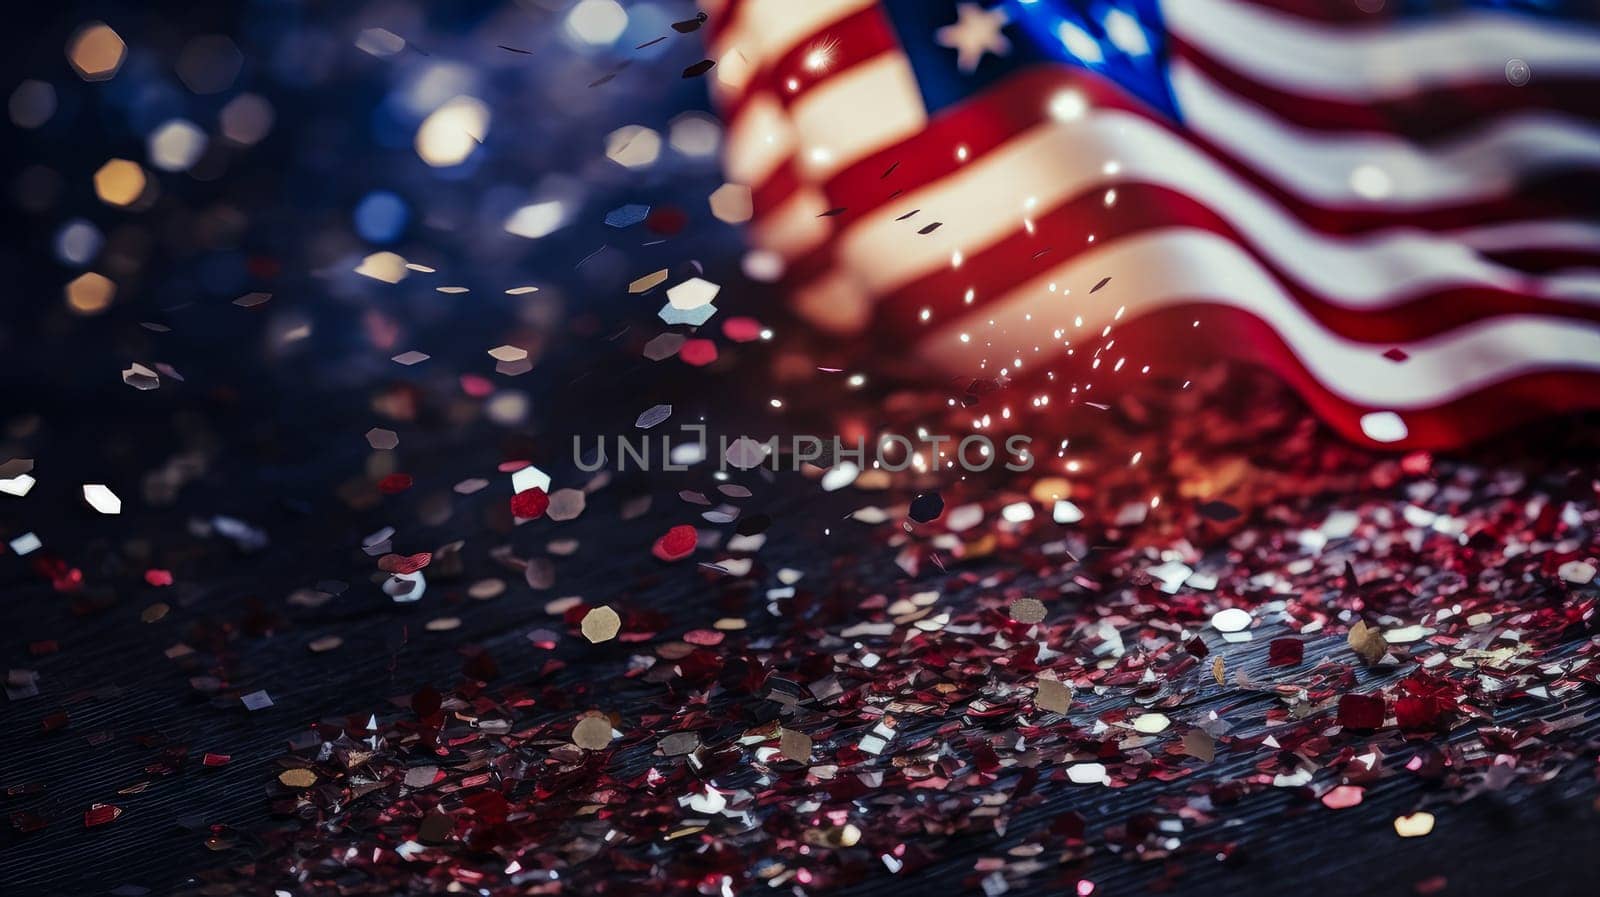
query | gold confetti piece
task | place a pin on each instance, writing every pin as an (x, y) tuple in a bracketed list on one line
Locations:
[(297, 778), (1414, 826), (1198, 743), (1368, 643), (154, 612), (383, 266), (1219, 671), (443, 624), (731, 204), (592, 733), (730, 624), (420, 268), (648, 282), (326, 643), (521, 291), (1151, 723), (794, 745), (846, 835), (1027, 610), (1052, 695), (454, 291), (601, 624), (508, 353)]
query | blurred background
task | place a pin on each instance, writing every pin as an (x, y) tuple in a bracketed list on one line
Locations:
[(200, 188)]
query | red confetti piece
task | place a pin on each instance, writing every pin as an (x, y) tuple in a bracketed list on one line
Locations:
[(100, 814), (1343, 797), (158, 577), (530, 504), (400, 563), (742, 329), (677, 544), (395, 483), (666, 220), (1361, 711), (211, 759), (698, 352), (476, 387), (1285, 652)]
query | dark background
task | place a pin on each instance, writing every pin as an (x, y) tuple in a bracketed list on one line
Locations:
[(272, 435)]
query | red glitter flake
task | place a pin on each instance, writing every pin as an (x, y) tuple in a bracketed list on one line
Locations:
[(666, 220), (1343, 797), (100, 814), (1285, 652), (477, 387), (742, 329), (158, 577), (395, 483), (211, 759), (1361, 711), (698, 352), (400, 563), (677, 544), (530, 504)]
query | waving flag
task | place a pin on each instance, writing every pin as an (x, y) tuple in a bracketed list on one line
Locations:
[(1395, 206)]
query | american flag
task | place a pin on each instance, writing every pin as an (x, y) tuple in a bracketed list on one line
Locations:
[(1394, 205)]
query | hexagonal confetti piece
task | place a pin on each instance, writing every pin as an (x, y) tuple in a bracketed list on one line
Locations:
[(692, 293), (101, 498), (382, 439), (627, 215)]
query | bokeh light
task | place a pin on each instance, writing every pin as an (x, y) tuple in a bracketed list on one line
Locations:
[(176, 145), (78, 242), (597, 22), (120, 182), (32, 104), (452, 132), (209, 64), (246, 119), (96, 52), (90, 293), (380, 217), (633, 146)]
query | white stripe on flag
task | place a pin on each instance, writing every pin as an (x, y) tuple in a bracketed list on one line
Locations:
[(1373, 63), (859, 111), (759, 139), (989, 199), (1176, 267), (1382, 170)]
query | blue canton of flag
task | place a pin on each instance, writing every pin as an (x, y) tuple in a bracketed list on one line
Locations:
[(957, 49)]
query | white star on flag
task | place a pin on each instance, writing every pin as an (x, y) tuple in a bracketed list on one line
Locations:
[(976, 31)]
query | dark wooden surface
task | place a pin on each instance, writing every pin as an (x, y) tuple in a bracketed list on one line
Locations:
[(112, 677)]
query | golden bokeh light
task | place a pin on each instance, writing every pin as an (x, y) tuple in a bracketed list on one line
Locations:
[(119, 182), (96, 52), (90, 293)]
